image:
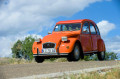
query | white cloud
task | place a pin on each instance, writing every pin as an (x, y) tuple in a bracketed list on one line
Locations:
[(113, 44), (105, 27), (25, 15), (7, 43)]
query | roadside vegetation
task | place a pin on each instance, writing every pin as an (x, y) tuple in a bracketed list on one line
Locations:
[(23, 48), (11, 61), (104, 74), (22, 53)]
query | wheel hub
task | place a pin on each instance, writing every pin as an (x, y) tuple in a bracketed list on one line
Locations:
[(102, 54), (77, 52)]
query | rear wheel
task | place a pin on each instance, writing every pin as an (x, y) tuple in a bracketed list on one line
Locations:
[(39, 59), (75, 54), (101, 55)]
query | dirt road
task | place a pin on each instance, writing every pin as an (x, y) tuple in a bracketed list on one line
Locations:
[(22, 70)]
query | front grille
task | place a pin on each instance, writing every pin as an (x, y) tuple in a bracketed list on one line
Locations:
[(48, 45)]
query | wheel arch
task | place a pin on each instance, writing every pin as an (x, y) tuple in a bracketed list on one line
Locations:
[(71, 44), (81, 50), (101, 45), (78, 42)]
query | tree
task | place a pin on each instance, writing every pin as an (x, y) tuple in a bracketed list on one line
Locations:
[(111, 56), (23, 49), (27, 47), (108, 56), (17, 49)]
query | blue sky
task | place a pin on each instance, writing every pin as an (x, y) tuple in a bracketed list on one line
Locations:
[(106, 10), (22, 18)]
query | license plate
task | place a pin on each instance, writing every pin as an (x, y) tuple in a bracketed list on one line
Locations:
[(49, 50)]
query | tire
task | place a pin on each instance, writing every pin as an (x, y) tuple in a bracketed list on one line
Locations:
[(69, 58), (101, 55), (75, 54), (39, 59)]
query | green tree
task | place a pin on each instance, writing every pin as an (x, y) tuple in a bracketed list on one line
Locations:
[(108, 56), (27, 47), (23, 49), (111, 56), (17, 49)]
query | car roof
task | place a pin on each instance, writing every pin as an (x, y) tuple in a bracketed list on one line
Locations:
[(74, 21)]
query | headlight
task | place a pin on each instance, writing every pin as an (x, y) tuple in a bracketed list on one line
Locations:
[(38, 40), (64, 38)]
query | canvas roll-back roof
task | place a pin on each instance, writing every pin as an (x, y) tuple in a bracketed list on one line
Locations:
[(73, 21)]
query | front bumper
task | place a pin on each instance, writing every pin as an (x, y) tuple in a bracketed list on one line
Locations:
[(49, 54), (61, 54)]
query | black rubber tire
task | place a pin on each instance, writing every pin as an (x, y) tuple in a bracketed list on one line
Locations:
[(69, 57), (101, 56), (75, 54), (81, 54), (39, 59)]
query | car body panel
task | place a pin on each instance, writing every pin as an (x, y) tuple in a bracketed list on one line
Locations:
[(86, 42), (101, 45), (94, 42), (67, 47)]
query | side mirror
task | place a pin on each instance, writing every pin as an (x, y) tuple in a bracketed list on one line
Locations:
[(49, 33)]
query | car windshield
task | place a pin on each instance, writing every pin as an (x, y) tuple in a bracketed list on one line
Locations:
[(67, 27)]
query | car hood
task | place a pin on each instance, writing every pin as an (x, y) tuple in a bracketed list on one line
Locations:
[(55, 37)]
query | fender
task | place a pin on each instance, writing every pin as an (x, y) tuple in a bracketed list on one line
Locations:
[(67, 47), (101, 45), (36, 46)]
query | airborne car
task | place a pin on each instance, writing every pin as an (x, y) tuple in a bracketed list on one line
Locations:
[(72, 39)]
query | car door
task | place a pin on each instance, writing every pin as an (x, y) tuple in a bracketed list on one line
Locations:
[(86, 38), (94, 36)]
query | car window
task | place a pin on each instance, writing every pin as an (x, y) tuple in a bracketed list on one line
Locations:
[(97, 30), (64, 28), (68, 27), (85, 28), (57, 28), (92, 29)]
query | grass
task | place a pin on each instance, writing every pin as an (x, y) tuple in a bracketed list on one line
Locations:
[(10, 61), (56, 60), (106, 74), (6, 61)]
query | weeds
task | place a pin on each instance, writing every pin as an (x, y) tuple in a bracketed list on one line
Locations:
[(5, 61), (111, 74)]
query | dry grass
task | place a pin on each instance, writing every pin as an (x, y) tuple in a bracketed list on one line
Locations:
[(107, 74), (6, 61), (10, 61), (56, 60)]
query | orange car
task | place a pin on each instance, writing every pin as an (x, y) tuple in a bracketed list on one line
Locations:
[(72, 39)]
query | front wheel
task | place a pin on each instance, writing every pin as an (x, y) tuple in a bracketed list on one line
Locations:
[(39, 59), (101, 55), (75, 54)]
